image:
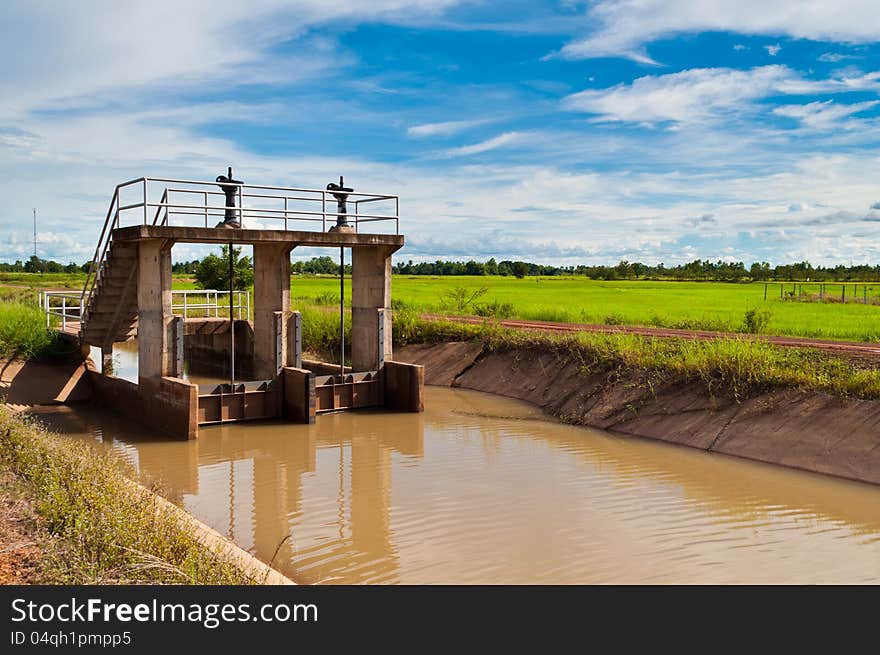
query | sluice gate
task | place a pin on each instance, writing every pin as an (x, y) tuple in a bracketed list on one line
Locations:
[(128, 295)]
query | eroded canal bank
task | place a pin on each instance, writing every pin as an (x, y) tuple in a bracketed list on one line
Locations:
[(486, 489), (808, 430)]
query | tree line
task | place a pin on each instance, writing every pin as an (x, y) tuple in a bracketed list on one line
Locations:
[(699, 269), (37, 265)]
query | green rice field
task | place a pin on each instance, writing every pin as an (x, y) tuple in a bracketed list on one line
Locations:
[(689, 305)]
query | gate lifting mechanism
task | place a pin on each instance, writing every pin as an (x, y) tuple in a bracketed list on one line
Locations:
[(341, 195), (231, 188)]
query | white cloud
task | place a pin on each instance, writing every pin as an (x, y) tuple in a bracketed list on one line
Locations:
[(446, 128), (79, 50), (682, 97), (834, 57), (625, 26), (495, 142), (823, 115), (773, 50), (702, 93)]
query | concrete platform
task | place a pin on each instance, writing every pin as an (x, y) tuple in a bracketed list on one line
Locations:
[(293, 238)]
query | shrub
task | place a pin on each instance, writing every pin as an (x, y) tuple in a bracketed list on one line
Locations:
[(461, 298), (756, 320), (495, 309), (614, 319)]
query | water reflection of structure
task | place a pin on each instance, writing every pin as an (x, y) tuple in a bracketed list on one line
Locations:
[(261, 468)]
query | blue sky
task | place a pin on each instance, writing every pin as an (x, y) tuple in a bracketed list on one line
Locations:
[(561, 133)]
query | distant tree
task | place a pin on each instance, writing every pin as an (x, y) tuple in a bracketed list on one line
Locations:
[(520, 269), (213, 271)]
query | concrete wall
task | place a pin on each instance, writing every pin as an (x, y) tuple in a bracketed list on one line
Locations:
[(404, 386), (298, 402), (802, 429), (206, 347), (166, 404)]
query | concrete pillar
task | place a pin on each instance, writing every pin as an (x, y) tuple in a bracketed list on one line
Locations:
[(155, 339), (370, 291), (271, 295)]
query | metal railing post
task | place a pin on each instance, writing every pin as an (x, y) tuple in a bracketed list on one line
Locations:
[(185, 296), (145, 201), (206, 208), (46, 300), (323, 211), (63, 313), (285, 213)]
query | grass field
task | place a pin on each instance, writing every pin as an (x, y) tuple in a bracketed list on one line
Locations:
[(693, 305)]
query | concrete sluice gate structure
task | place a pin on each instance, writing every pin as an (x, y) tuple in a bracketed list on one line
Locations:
[(128, 296)]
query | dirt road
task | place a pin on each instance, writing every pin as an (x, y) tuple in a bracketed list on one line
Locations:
[(849, 348)]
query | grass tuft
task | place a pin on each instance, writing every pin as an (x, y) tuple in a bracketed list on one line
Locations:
[(23, 332)]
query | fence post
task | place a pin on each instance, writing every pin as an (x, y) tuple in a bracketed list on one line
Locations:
[(843, 293), (765, 291)]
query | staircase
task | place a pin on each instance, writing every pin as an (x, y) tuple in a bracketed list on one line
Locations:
[(111, 312)]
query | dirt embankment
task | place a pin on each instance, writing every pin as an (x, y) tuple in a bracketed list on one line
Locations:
[(806, 430)]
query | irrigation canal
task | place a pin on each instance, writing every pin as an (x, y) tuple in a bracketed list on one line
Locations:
[(483, 489)]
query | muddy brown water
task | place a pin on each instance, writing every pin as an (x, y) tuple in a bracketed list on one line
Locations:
[(483, 489)]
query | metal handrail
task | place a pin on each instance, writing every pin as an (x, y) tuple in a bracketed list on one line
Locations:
[(62, 310), (98, 259), (116, 212), (238, 306)]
